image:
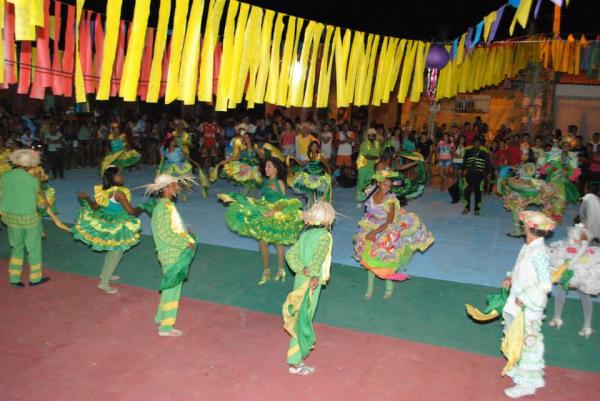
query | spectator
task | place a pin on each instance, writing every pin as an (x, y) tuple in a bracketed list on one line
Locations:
[(55, 143), (326, 139), (345, 140), (288, 140)]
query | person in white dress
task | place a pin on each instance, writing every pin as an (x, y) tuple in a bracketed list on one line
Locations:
[(529, 284), (583, 263)]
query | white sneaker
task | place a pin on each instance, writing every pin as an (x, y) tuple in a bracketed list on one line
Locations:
[(108, 289), (518, 391)]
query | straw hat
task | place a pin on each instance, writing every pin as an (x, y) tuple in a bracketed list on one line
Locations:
[(162, 181), (25, 158), (320, 214)]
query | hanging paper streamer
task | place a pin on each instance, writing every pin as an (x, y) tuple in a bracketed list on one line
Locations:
[(226, 68), (310, 82), (87, 60), (99, 47), (264, 56), (179, 26), (79, 86), (113, 15), (325, 69), (205, 84), (146, 63), (286, 61), (24, 68), (68, 56), (156, 71), (135, 49), (273, 83), (42, 75), (57, 72), (188, 74), (251, 53), (119, 60), (10, 66)]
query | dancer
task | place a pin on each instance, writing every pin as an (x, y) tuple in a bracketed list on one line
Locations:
[(583, 263), (529, 284), (310, 260), (120, 154), (368, 156), (273, 219), (47, 201), (313, 177), (477, 166), (244, 167), (175, 247), (388, 235), (176, 162), (182, 137), (560, 166), (108, 223), (4, 157), (19, 191)]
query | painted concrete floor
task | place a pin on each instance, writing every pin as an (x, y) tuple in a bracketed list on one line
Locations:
[(470, 249)]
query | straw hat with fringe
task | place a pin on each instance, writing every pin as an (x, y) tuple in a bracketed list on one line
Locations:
[(162, 181), (25, 158), (320, 214)]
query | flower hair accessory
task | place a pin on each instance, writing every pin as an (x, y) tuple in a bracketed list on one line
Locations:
[(537, 220)]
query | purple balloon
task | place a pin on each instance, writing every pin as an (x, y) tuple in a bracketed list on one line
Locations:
[(437, 57)]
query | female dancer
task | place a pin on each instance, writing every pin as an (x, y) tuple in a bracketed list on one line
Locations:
[(244, 165), (273, 219), (175, 162), (108, 223), (583, 262), (388, 235), (314, 176), (120, 155)]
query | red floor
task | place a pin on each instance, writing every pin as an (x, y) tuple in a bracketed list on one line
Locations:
[(67, 341)]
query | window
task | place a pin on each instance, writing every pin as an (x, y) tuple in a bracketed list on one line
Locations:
[(472, 104)]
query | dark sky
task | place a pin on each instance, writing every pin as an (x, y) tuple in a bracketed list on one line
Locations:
[(425, 19)]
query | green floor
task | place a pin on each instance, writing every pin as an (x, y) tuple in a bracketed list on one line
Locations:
[(421, 310)]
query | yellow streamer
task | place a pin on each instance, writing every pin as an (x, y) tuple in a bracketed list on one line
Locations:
[(417, 84), (361, 73), (1, 41), (111, 37), (2, 6), (160, 42), (207, 61), (273, 83), (79, 86), (135, 50), (179, 25), (342, 50), (366, 94), (325, 69), (407, 69), (238, 47), (461, 49), (286, 61), (250, 54), (310, 82), (380, 68), (394, 63), (24, 29), (264, 57), (188, 73), (226, 66), (299, 68), (356, 51)]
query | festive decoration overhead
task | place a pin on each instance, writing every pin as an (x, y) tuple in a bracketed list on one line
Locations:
[(264, 56)]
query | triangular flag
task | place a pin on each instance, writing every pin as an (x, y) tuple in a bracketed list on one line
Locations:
[(522, 15), (478, 30), (496, 23), (488, 22), (537, 8), (514, 3)]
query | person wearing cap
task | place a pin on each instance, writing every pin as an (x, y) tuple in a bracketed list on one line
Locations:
[(19, 192), (175, 247), (477, 166), (120, 154), (529, 284), (388, 236), (108, 223), (582, 263), (368, 155), (310, 260)]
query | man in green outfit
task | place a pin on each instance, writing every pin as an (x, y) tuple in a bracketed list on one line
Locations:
[(368, 156), (310, 259), (175, 247), (19, 191)]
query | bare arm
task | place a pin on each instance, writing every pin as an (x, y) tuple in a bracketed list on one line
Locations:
[(85, 197), (122, 199), (390, 219)]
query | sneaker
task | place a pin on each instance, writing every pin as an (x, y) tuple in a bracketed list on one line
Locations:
[(518, 391), (171, 333), (301, 370), (19, 284), (42, 281)]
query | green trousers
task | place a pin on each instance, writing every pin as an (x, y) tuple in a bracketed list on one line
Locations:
[(21, 240), (166, 315), (365, 175), (294, 357), (111, 261)]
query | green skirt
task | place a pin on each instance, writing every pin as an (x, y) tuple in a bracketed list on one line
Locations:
[(105, 231), (247, 216)]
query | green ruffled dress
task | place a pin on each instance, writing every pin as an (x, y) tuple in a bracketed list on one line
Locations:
[(313, 180), (246, 170), (246, 216), (109, 228)]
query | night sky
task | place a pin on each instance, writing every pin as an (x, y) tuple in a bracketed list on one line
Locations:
[(424, 19)]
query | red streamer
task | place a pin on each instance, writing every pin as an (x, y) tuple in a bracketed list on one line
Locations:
[(99, 46), (24, 68), (119, 60), (68, 58), (10, 67), (43, 77), (146, 65), (57, 79), (165, 71), (85, 49)]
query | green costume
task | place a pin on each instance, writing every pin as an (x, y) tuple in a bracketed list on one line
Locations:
[(313, 252), (365, 166), (172, 246), (18, 205), (313, 180)]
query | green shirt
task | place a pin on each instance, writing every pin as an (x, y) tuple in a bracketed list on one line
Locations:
[(168, 231), (18, 198), (310, 251)]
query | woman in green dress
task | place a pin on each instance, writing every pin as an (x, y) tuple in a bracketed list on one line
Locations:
[(243, 167), (108, 223), (272, 219), (313, 177)]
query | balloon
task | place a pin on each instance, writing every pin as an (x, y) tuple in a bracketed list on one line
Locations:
[(437, 57)]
